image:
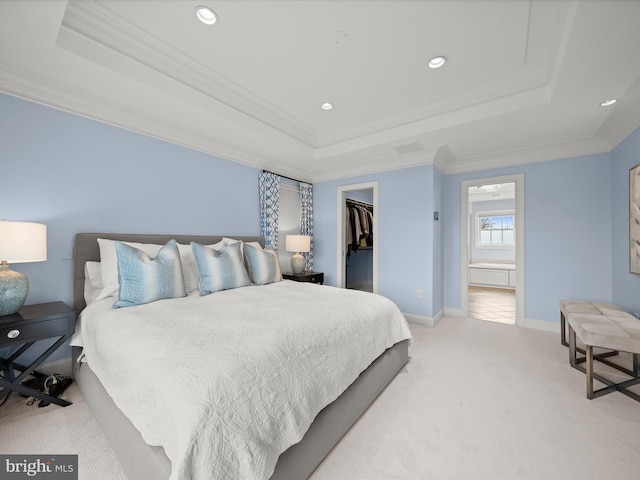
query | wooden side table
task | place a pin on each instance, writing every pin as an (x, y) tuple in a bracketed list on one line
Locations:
[(30, 324), (313, 277)]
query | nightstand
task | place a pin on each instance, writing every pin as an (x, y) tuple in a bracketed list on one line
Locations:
[(24, 328), (313, 277)]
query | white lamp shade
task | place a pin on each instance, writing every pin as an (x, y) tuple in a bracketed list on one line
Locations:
[(298, 243), (22, 242)]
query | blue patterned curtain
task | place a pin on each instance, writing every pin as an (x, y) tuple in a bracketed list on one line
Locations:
[(269, 185), (306, 220)]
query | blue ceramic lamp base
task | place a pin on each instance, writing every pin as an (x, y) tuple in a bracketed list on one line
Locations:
[(14, 287)]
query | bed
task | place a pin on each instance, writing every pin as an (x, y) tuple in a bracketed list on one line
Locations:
[(318, 433)]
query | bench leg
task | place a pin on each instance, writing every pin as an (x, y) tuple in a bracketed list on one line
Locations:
[(573, 361), (589, 354), (589, 370), (563, 334)]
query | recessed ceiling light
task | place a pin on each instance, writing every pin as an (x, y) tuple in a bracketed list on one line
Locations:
[(437, 62), (609, 102), (206, 15), (326, 106)]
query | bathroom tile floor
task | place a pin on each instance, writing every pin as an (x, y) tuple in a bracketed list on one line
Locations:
[(492, 304)]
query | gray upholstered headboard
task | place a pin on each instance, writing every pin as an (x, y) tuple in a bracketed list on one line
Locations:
[(87, 249)]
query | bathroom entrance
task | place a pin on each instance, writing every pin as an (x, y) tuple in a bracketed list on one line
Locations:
[(492, 257)]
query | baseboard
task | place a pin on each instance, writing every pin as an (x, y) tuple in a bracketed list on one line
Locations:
[(528, 322), (438, 316), (453, 312), (541, 325), (422, 320)]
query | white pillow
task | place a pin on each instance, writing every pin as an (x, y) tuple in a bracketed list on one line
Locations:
[(92, 282), (109, 264), (189, 267), (231, 241)]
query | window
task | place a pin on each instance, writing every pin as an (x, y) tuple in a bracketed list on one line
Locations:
[(495, 229)]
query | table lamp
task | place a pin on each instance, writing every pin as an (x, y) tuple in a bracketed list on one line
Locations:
[(20, 242), (298, 243)]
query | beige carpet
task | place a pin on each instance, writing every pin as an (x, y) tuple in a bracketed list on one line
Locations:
[(478, 400)]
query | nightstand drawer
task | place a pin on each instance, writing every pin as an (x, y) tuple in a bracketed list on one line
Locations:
[(311, 277), (35, 330)]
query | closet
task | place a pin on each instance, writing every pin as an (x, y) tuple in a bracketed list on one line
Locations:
[(359, 245)]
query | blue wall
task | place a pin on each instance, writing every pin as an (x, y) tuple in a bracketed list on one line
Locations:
[(406, 236), (438, 244), (78, 175), (626, 286), (567, 223)]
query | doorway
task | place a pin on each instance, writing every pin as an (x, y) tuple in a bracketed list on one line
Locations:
[(492, 279), (357, 267)]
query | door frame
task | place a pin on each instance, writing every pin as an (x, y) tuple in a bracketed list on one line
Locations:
[(518, 179), (340, 242)]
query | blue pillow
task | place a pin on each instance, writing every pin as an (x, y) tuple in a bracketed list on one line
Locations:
[(220, 269), (144, 279), (263, 265)]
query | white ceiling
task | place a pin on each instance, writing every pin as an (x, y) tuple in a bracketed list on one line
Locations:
[(492, 191), (523, 83)]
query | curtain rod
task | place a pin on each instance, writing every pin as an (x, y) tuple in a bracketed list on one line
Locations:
[(284, 176)]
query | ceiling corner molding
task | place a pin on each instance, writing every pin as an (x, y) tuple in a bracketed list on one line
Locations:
[(443, 158), (543, 153), (378, 165), (99, 35), (53, 94), (624, 119)]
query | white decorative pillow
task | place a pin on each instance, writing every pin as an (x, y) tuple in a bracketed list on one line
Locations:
[(231, 241), (189, 267), (92, 282), (262, 264), (109, 264), (220, 269), (144, 279)]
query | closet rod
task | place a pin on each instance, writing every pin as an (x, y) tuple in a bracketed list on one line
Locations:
[(357, 202), (284, 176)]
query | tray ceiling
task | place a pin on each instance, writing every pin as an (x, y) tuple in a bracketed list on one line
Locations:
[(523, 81)]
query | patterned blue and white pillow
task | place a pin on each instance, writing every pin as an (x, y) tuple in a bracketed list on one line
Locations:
[(144, 279), (263, 265), (220, 269)]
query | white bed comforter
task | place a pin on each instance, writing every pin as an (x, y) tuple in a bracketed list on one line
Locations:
[(227, 382)]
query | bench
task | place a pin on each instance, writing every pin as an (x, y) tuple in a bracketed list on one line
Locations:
[(568, 307), (617, 331)]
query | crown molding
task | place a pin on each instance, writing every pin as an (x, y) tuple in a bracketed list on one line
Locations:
[(541, 153), (385, 163), (45, 91), (92, 30), (624, 119)]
